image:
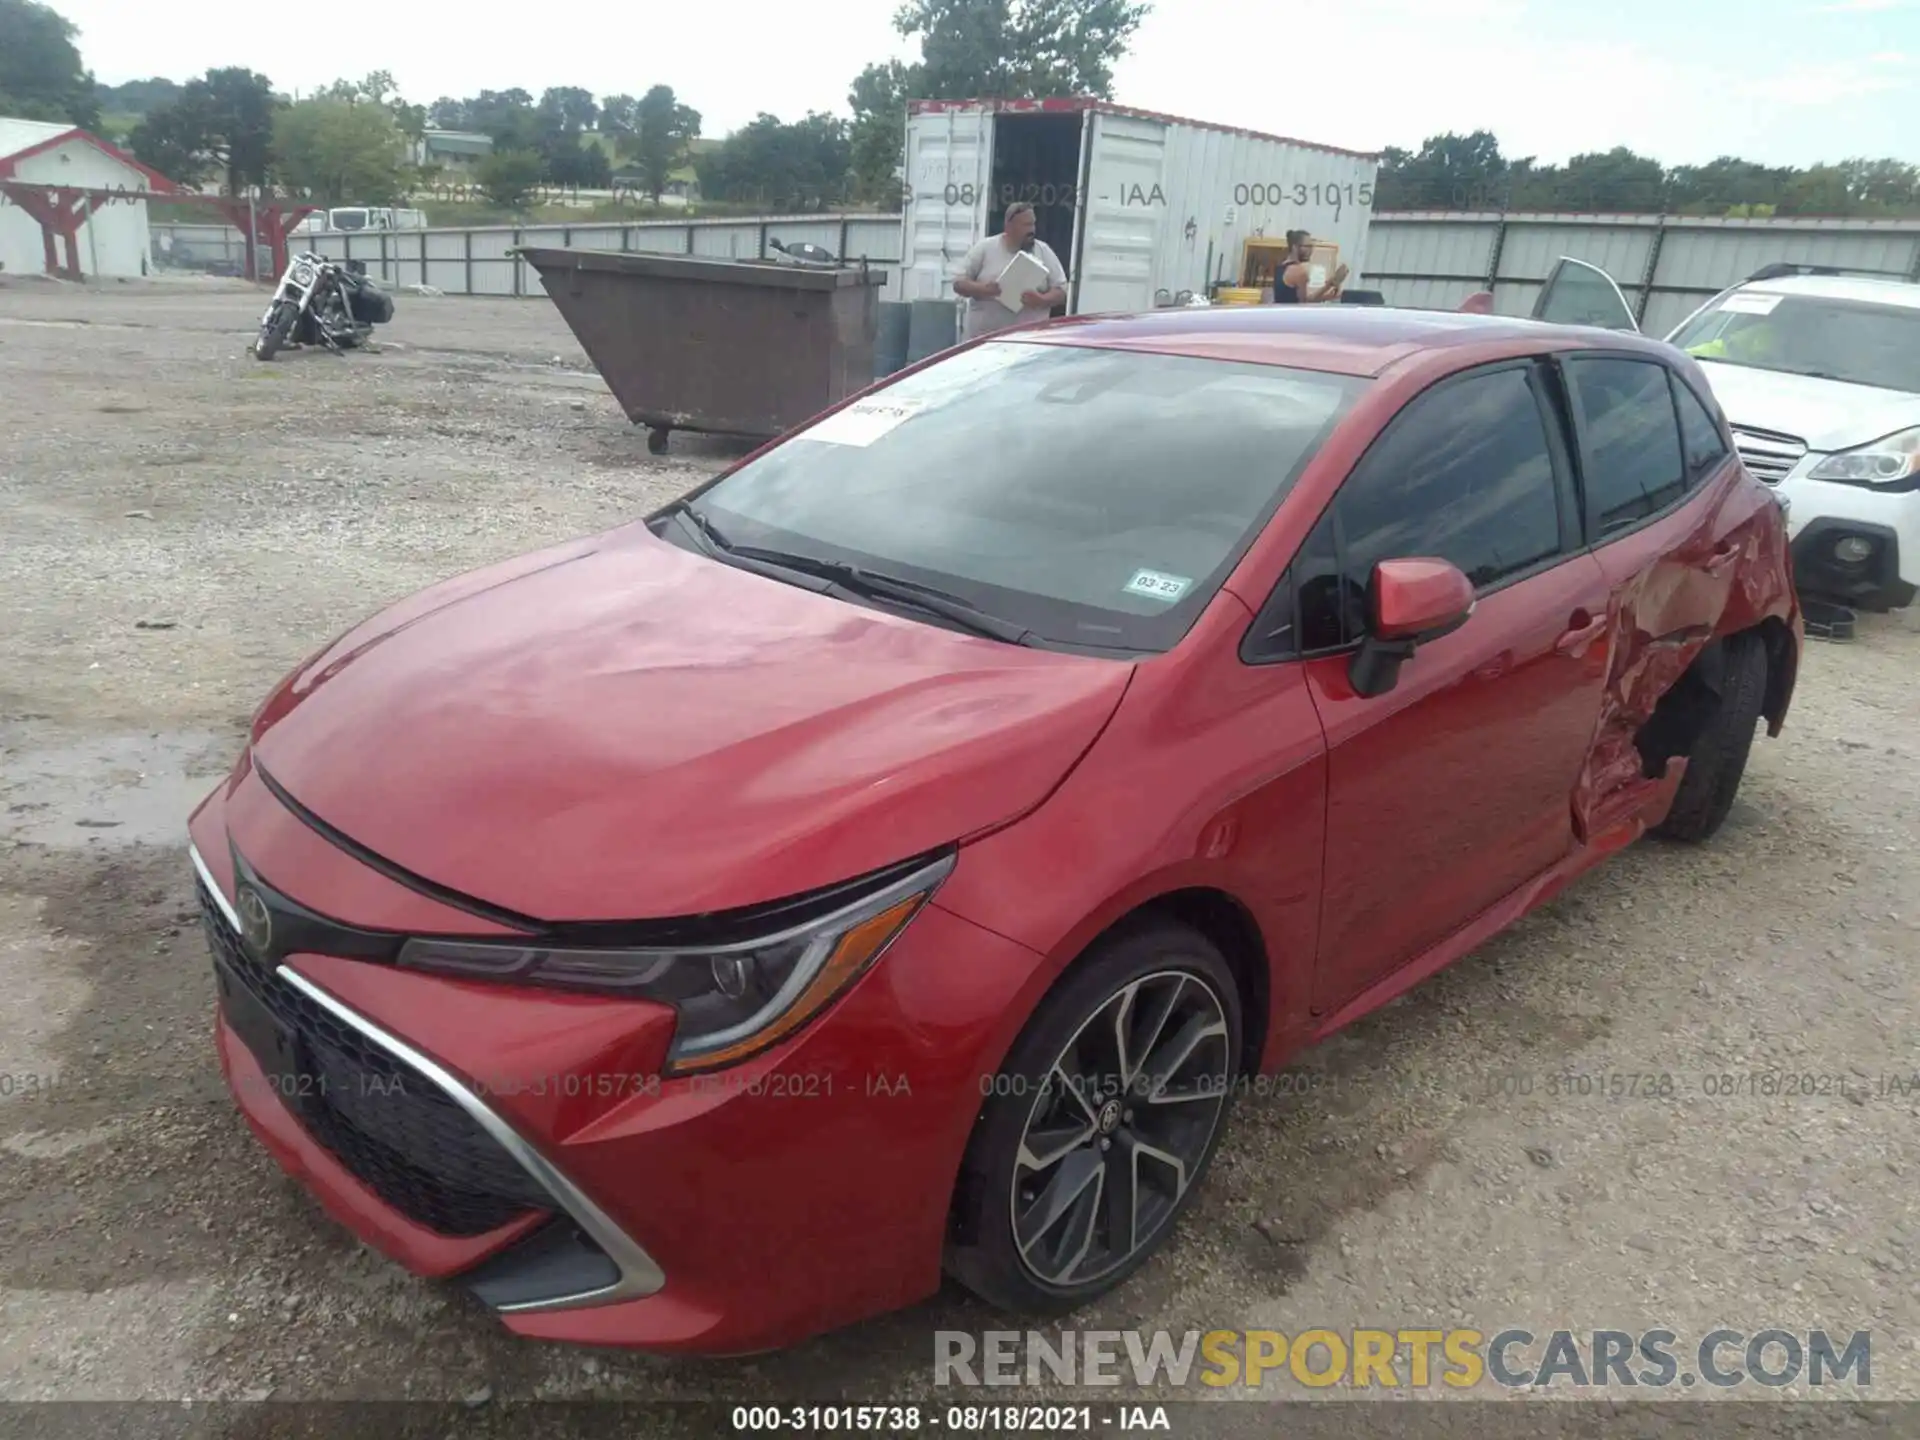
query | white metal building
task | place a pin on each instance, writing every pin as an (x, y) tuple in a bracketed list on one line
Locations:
[(112, 239)]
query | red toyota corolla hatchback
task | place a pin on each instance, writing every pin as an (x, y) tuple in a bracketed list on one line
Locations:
[(889, 857)]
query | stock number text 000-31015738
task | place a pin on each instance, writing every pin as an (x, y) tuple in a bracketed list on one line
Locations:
[(1331, 196)]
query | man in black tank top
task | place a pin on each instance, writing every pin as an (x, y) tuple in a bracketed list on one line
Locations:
[(1291, 281)]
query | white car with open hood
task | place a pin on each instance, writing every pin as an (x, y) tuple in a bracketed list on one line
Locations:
[(1819, 375)]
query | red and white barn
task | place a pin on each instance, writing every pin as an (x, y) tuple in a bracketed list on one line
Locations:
[(72, 204)]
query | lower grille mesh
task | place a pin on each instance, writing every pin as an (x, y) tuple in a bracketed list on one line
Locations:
[(387, 1123)]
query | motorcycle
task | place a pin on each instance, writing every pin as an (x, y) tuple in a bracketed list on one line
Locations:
[(322, 302)]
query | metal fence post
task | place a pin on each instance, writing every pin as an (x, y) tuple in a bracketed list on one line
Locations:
[(466, 255), (423, 257), (1653, 264), (518, 263), (1495, 251)]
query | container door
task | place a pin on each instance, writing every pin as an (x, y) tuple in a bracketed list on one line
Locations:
[(1577, 293), (1123, 209), (949, 165)]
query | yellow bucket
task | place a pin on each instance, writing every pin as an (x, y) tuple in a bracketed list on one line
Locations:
[(1236, 295)]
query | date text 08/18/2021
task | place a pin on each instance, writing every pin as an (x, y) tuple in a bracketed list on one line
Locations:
[(1333, 196), (950, 1419)]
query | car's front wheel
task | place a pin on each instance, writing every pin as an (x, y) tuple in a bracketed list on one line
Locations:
[(1094, 1135)]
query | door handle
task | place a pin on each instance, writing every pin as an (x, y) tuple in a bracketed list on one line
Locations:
[(1583, 631), (1724, 554)]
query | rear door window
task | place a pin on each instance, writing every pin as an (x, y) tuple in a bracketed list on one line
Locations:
[(1630, 440)]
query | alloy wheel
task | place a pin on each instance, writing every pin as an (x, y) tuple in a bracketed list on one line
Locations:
[(1120, 1127)]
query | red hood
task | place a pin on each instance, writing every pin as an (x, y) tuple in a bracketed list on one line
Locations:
[(619, 729)]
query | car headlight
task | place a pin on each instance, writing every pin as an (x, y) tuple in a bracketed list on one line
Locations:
[(733, 1000), (1892, 463)]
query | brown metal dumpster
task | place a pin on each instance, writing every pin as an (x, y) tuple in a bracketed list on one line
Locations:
[(727, 347)]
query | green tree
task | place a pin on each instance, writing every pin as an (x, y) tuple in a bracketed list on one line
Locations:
[(1447, 172), (506, 115), (1616, 181), (1883, 187), (802, 166), (176, 139), (991, 49), (663, 131), (619, 114), (878, 100), (136, 97), (567, 109), (568, 161), (508, 178), (338, 151), (41, 75), (221, 123), (1018, 49), (379, 89)]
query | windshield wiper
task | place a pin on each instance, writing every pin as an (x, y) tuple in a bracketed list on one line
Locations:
[(850, 580), (874, 585)]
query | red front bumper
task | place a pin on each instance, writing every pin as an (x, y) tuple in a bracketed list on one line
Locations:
[(790, 1195)]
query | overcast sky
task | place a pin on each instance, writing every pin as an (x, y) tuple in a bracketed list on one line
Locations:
[(1777, 81)]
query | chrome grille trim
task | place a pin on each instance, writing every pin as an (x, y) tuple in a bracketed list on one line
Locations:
[(1770, 455), (640, 1275)]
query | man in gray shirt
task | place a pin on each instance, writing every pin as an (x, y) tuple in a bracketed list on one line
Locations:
[(978, 277)]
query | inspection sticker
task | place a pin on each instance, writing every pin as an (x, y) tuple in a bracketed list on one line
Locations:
[(863, 422), (1156, 586), (1750, 303)]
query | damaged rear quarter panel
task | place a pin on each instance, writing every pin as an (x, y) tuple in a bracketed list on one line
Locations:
[(1715, 566)]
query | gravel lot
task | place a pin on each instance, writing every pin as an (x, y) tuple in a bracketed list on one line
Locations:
[(179, 525)]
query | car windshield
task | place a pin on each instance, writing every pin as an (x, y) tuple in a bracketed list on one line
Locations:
[(1852, 340), (349, 219), (1094, 497)]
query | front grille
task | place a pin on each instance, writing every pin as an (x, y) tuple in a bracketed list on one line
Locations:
[(1769, 455), (387, 1123)]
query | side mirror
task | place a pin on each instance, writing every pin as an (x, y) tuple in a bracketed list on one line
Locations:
[(1409, 604)]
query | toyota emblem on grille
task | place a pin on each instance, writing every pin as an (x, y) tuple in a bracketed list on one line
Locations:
[(256, 925)]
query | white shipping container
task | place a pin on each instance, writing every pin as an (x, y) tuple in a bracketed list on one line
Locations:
[(1138, 206)]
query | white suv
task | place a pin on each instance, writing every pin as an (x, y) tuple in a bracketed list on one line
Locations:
[(1819, 375)]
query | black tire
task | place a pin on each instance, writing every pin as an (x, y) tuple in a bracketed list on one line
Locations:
[(657, 440), (1718, 757), (274, 332), (982, 1252)]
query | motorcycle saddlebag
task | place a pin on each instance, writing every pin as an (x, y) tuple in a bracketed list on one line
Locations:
[(372, 306)]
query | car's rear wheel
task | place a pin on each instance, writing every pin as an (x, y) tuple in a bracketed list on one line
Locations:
[(1718, 757), (1095, 1134)]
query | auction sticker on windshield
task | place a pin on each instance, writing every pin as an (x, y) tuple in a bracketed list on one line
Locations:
[(1157, 586), (863, 422), (1749, 304)]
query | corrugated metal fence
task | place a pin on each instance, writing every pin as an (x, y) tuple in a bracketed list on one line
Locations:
[(478, 261), (1666, 264)]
